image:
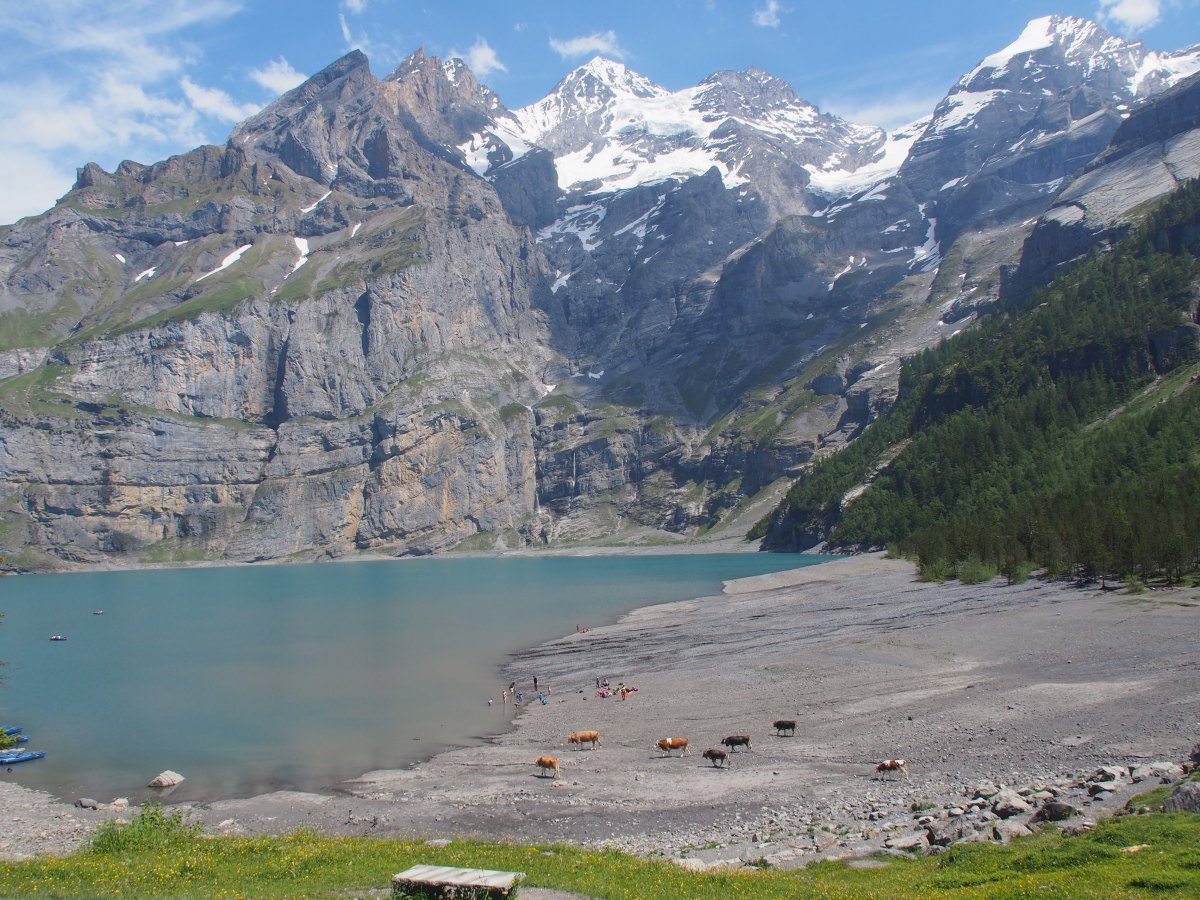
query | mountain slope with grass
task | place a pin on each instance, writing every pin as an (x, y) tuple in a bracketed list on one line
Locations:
[(1062, 433)]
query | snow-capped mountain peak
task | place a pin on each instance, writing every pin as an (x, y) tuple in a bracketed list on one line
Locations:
[(613, 75), (1126, 66), (1077, 39)]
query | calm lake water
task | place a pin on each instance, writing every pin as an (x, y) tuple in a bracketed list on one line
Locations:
[(256, 678)]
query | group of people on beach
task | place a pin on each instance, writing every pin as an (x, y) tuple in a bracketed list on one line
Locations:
[(517, 697)]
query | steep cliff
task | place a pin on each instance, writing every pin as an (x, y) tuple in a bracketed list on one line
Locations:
[(324, 337)]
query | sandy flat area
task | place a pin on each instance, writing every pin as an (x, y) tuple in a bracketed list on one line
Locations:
[(969, 683)]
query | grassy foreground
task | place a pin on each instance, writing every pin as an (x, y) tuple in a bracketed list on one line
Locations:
[(159, 855)]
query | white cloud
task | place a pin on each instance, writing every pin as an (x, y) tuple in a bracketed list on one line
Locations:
[(767, 16), (278, 76), (101, 80), (603, 42), (215, 102), (886, 111), (481, 59), (346, 35), (1130, 15), (40, 184), (355, 6)]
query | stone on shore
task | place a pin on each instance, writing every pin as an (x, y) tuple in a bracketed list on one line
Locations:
[(166, 779)]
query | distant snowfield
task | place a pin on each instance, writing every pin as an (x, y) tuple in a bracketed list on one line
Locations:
[(227, 261), (302, 246), (306, 210)]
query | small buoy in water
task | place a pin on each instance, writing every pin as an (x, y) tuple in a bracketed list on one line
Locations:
[(97, 612)]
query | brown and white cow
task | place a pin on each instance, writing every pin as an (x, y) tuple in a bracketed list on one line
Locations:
[(892, 765), (547, 764), (782, 725), (716, 757), (666, 745), (737, 740), (579, 738)]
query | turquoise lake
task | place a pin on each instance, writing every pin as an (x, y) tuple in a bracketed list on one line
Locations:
[(258, 678)]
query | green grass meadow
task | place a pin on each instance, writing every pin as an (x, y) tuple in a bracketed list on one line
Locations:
[(160, 855)]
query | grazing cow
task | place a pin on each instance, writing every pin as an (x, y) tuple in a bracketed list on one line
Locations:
[(893, 765), (666, 745), (579, 738), (716, 757), (548, 764), (737, 740), (782, 725)]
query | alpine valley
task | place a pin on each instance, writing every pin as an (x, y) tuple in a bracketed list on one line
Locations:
[(394, 316)]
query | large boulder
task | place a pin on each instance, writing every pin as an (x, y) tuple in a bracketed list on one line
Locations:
[(957, 831), (1007, 829), (1185, 798), (1009, 803), (1054, 811), (166, 779)]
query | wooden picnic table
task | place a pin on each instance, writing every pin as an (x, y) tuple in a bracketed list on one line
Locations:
[(448, 881)]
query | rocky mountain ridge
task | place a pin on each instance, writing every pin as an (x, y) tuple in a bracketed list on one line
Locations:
[(392, 315)]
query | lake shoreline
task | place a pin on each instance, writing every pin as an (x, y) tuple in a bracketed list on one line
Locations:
[(1039, 681)]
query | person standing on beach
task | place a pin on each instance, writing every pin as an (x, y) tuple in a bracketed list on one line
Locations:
[(504, 696), (535, 684)]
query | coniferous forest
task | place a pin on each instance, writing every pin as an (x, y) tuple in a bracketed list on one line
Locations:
[(1062, 433)]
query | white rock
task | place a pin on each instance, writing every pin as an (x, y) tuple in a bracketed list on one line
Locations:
[(166, 779)]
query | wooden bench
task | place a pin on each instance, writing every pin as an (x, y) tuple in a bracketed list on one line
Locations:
[(447, 881)]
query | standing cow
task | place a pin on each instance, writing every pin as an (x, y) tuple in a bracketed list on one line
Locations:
[(737, 740), (666, 745), (579, 738), (716, 757)]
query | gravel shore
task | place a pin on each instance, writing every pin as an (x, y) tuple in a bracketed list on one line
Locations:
[(1032, 685)]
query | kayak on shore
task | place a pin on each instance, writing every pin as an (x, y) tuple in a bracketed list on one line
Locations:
[(9, 757)]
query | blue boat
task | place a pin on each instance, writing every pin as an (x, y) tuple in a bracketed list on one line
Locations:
[(9, 757), (11, 730)]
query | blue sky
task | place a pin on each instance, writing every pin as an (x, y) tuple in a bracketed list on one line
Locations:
[(106, 80)]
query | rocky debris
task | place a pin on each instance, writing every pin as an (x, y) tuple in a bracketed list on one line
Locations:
[(165, 779), (87, 803), (1167, 771), (1185, 798)]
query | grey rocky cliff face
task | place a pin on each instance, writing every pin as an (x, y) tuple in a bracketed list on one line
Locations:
[(367, 390), (1152, 152)]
